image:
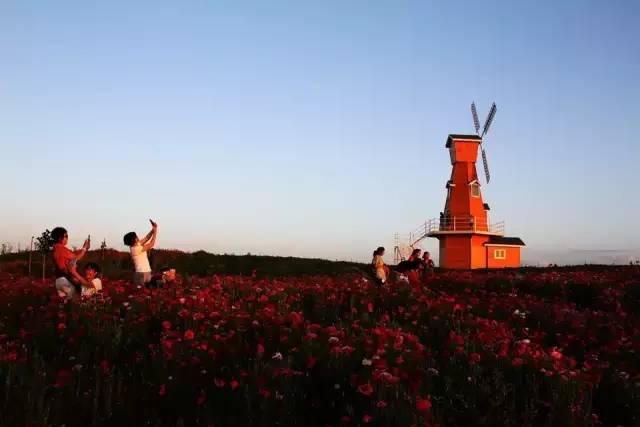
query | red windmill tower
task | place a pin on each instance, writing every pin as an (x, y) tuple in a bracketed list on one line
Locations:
[(467, 238)]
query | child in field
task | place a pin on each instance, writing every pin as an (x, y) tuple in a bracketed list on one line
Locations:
[(167, 276), (91, 273), (139, 253)]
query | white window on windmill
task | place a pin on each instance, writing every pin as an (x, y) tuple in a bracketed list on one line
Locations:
[(475, 189), (500, 253), (449, 185)]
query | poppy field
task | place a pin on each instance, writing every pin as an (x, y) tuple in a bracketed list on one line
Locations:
[(541, 348)]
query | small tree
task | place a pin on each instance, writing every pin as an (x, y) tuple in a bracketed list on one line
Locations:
[(43, 245)]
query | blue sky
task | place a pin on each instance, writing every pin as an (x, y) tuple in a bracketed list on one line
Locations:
[(315, 128)]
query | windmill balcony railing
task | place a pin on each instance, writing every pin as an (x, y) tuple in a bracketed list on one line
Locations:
[(453, 224)]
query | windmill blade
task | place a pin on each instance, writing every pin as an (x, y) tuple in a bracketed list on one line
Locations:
[(492, 114), (476, 122), (486, 166)]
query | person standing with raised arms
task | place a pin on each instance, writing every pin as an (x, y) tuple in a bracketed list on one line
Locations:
[(139, 253)]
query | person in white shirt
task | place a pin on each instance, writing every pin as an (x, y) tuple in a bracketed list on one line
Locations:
[(91, 272), (139, 253)]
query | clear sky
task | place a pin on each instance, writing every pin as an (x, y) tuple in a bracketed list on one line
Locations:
[(315, 128)]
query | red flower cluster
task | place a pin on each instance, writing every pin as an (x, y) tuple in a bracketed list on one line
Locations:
[(494, 348)]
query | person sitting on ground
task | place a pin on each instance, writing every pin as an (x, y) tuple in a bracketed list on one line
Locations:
[(380, 268), (91, 273), (65, 262), (139, 253)]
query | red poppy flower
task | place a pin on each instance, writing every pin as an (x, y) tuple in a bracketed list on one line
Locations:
[(556, 355), (296, 319), (366, 389), (201, 399), (398, 342), (62, 378), (311, 362), (423, 405), (264, 392)]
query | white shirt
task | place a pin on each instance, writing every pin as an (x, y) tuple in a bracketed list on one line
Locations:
[(140, 259), (97, 284)]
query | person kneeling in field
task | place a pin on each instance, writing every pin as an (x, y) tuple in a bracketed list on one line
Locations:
[(139, 253), (65, 261), (91, 273)]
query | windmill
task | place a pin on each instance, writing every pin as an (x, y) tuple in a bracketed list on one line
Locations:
[(485, 129)]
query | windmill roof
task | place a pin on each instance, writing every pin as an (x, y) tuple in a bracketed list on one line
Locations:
[(453, 136), (499, 240)]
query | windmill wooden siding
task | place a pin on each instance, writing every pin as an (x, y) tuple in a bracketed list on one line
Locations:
[(512, 257), (467, 238)]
